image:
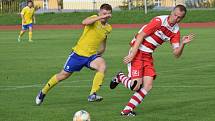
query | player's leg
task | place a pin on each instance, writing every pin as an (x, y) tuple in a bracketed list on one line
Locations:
[(138, 97), (148, 77), (134, 79), (30, 33), (100, 66), (24, 28), (132, 84), (54, 80), (72, 64), (69, 67)]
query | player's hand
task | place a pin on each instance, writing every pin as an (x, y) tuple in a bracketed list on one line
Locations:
[(24, 21), (127, 59), (188, 38)]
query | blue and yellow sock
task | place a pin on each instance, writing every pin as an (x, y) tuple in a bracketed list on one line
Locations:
[(51, 83), (97, 82), (21, 33), (30, 36)]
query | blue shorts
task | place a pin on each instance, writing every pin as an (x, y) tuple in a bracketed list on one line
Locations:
[(76, 62), (26, 27)]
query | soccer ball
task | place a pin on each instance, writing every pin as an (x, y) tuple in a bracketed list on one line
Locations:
[(81, 115)]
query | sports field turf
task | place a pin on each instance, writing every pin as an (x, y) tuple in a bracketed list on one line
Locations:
[(183, 91)]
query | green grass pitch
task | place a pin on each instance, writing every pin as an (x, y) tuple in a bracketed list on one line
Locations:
[(183, 91), (117, 17)]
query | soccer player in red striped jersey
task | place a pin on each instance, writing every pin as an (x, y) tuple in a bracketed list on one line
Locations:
[(140, 62)]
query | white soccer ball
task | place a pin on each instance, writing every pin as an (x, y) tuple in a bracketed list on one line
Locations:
[(81, 115)]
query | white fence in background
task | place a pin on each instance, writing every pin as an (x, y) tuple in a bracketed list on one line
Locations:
[(14, 6), (91, 4)]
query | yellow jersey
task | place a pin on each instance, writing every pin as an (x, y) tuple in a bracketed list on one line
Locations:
[(91, 38), (28, 14)]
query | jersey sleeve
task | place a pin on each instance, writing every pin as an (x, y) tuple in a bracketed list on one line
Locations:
[(93, 16), (23, 11), (152, 26), (175, 40), (93, 24)]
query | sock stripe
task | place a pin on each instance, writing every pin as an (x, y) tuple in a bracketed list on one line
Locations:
[(138, 95), (131, 105), (134, 102), (127, 110), (141, 92), (127, 83), (123, 78), (144, 91), (120, 77), (136, 99)]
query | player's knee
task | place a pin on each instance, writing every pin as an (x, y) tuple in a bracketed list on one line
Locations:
[(102, 67), (30, 30), (148, 87), (66, 75), (63, 75)]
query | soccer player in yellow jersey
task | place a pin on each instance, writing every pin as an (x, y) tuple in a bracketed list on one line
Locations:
[(86, 53), (28, 18)]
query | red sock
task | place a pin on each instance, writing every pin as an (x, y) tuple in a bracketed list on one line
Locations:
[(135, 100)]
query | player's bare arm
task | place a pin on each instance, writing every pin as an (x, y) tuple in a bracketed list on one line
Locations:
[(139, 39), (91, 20), (34, 18), (102, 47), (177, 52)]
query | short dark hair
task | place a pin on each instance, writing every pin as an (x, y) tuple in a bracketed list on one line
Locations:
[(181, 8), (30, 1), (106, 7)]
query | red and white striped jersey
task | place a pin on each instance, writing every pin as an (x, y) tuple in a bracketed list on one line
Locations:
[(159, 30)]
